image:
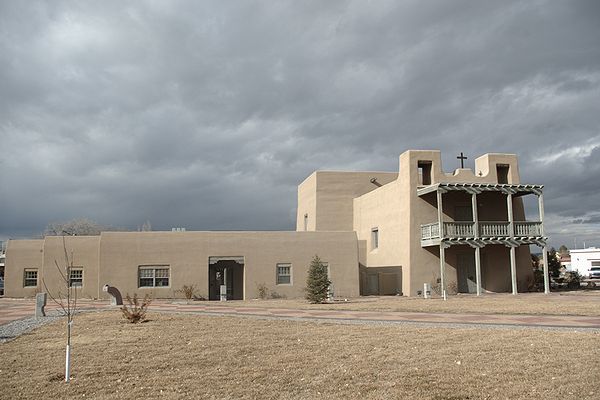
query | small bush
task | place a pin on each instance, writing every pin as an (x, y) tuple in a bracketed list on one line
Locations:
[(436, 286), (572, 279), (188, 291), (452, 287), (263, 291), (136, 313), (275, 295)]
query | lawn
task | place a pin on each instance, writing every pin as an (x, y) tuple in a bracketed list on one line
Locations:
[(574, 303), (198, 356)]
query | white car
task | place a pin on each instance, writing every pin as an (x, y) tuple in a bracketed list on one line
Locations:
[(594, 273)]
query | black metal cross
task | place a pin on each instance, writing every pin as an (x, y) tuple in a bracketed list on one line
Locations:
[(462, 159)]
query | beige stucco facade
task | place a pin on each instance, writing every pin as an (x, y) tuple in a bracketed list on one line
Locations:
[(379, 232)]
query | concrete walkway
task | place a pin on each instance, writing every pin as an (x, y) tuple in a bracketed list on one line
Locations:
[(554, 321), (12, 309)]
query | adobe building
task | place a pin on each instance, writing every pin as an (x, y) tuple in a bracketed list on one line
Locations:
[(379, 233)]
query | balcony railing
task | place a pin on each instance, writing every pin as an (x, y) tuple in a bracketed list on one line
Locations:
[(430, 231), (487, 229), (494, 229)]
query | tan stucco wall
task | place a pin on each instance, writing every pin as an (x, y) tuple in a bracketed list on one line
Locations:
[(307, 204), (187, 255), (82, 252), (114, 257), (333, 193), (22, 254)]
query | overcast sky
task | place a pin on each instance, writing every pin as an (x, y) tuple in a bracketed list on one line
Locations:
[(206, 115)]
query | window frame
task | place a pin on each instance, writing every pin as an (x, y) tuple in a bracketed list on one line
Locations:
[(154, 278), (71, 278), (25, 278), (374, 238), (288, 275)]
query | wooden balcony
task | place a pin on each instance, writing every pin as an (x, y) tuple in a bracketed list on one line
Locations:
[(497, 230)]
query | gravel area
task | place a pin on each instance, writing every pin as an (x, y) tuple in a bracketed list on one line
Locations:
[(17, 328)]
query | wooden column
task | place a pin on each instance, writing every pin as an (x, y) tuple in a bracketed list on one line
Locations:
[(545, 248), (440, 211), (478, 269), (513, 251), (477, 249), (546, 271), (509, 207), (442, 268), (513, 269)]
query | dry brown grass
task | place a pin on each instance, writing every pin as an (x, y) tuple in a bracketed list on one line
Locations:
[(198, 356), (528, 303)]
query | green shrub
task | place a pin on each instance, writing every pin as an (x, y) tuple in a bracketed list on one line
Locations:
[(317, 283)]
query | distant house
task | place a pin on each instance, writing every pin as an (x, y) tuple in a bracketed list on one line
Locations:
[(583, 259), (379, 233)]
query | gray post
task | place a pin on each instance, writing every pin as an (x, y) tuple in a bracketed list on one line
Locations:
[(442, 245), (546, 272), (442, 268), (545, 248), (478, 269), (477, 249), (40, 303), (513, 269), (511, 233)]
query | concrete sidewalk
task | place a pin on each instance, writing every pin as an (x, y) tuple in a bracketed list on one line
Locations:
[(13, 309), (554, 321)]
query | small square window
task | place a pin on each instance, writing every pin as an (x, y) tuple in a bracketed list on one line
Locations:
[(30, 278), (374, 238), (284, 274), (76, 277)]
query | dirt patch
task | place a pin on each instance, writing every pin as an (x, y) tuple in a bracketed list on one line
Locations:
[(186, 356)]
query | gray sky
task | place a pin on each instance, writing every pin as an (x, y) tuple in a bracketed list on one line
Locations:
[(207, 115)]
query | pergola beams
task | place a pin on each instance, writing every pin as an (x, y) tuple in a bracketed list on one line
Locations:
[(477, 188)]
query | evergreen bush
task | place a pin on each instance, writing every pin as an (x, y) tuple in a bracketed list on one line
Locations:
[(317, 283)]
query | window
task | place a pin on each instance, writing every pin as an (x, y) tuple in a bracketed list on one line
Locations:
[(374, 238), (154, 276), (284, 274), (502, 171), (30, 278), (76, 277), (424, 168), (595, 263)]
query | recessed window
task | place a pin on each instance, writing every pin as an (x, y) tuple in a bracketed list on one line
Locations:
[(502, 171), (374, 238), (284, 274), (76, 277), (30, 278), (424, 168), (154, 276)]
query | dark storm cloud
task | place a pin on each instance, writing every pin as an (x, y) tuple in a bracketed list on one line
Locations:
[(208, 114)]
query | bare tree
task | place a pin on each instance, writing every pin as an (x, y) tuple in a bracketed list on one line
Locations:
[(146, 227), (66, 298), (78, 226)]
